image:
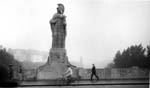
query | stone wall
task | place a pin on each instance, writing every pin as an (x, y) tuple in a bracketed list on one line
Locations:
[(29, 74), (116, 73)]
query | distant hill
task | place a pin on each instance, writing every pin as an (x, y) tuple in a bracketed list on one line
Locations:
[(32, 59), (31, 65), (29, 55)]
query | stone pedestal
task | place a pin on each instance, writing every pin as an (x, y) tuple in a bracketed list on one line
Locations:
[(55, 66)]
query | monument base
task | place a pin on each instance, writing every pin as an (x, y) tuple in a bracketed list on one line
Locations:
[(55, 66)]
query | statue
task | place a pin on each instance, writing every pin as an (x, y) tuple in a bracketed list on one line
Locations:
[(57, 62), (58, 28)]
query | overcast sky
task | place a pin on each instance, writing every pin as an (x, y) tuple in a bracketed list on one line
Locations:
[(96, 29)]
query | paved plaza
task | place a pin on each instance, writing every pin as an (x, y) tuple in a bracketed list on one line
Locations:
[(88, 84), (106, 86)]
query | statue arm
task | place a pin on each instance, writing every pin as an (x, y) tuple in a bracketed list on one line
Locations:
[(53, 21), (54, 18)]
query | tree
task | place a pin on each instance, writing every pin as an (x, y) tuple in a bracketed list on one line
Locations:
[(110, 65), (148, 56), (5, 60), (3, 73), (132, 56)]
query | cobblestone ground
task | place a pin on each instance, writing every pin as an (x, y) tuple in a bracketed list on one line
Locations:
[(107, 86), (39, 84)]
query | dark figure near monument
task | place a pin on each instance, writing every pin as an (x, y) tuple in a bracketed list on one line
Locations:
[(11, 72), (21, 73), (58, 28), (94, 72)]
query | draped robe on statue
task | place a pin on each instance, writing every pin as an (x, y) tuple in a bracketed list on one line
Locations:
[(58, 27)]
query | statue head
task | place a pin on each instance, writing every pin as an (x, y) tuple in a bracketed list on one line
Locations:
[(93, 64), (61, 8)]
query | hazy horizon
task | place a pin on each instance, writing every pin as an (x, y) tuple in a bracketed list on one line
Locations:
[(96, 29)]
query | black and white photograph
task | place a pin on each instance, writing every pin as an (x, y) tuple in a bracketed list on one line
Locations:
[(74, 43)]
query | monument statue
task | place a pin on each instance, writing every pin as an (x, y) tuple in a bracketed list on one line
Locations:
[(58, 28), (57, 60)]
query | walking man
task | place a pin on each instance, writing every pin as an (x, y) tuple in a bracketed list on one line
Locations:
[(94, 73)]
